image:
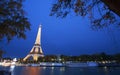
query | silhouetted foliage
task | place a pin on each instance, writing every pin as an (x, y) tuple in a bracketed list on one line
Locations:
[(13, 21), (100, 12), (117, 57), (50, 58), (1, 53), (98, 57)]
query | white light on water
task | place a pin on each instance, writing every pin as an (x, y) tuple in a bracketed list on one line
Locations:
[(12, 67)]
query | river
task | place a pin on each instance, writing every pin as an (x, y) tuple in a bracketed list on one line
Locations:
[(63, 70)]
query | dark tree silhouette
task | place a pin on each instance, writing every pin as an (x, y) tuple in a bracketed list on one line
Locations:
[(13, 21), (1, 53), (101, 13)]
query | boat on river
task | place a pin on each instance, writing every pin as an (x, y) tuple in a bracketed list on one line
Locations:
[(81, 64), (46, 64)]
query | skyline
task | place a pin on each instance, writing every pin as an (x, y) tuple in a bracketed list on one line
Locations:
[(70, 36)]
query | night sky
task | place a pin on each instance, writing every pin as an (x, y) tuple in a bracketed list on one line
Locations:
[(69, 36)]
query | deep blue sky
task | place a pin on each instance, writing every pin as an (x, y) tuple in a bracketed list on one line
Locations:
[(70, 36)]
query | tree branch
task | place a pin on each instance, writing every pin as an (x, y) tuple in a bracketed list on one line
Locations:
[(113, 5)]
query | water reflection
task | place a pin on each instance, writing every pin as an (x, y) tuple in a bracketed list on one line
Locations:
[(32, 71), (12, 69), (62, 69), (19, 70)]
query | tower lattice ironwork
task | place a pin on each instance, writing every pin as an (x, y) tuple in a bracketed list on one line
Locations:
[(36, 50)]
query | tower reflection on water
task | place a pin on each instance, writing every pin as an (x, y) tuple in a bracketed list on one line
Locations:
[(42, 71), (32, 71)]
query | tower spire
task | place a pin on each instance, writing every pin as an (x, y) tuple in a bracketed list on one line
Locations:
[(36, 51), (38, 38)]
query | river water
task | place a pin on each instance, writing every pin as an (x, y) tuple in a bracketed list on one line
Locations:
[(63, 70)]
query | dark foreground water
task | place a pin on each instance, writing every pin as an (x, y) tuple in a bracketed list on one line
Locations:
[(63, 71)]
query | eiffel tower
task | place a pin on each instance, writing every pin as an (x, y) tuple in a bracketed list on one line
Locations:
[(36, 51)]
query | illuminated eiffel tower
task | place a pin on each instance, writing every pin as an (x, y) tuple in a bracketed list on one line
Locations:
[(36, 51)]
